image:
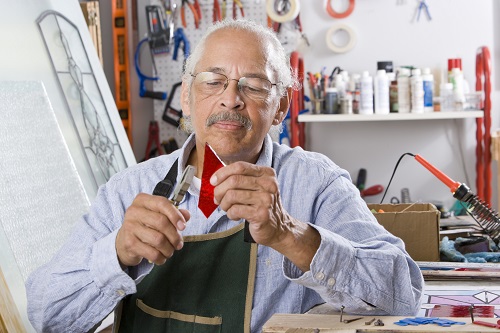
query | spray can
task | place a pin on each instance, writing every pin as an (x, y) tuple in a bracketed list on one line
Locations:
[(417, 91), (381, 88), (331, 101), (366, 94), (404, 90), (428, 82)]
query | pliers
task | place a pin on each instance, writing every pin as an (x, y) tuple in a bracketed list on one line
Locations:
[(423, 6), (237, 3), (195, 9), (217, 16), (183, 185), (224, 9)]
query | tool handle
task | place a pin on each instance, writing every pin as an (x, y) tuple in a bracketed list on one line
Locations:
[(154, 94), (372, 190), (247, 236), (452, 185)]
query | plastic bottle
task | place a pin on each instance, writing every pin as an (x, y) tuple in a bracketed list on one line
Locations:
[(393, 92), (457, 79), (428, 81), (404, 90), (355, 88), (366, 94), (346, 104), (417, 91), (381, 92), (447, 98), (340, 84)]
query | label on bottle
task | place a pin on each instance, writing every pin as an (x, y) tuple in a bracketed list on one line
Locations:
[(428, 88)]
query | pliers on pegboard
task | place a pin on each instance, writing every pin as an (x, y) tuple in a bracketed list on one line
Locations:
[(224, 9), (217, 12), (195, 9), (236, 4), (423, 7)]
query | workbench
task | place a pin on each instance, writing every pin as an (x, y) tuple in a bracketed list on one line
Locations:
[(322, 323)]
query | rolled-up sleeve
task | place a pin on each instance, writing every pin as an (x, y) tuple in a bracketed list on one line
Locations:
[(359, 265)]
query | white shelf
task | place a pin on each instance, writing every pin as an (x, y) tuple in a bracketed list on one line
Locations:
[(306, 118)]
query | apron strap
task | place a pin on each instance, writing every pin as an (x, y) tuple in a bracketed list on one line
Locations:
[(164, 188)]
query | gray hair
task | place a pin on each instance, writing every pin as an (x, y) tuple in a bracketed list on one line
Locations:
[(279, 60)]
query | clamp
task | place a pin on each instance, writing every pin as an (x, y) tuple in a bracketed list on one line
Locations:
[(180, 37)]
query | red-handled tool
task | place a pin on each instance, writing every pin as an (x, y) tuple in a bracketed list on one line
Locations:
[(372, 190), (487, 324), (487, 218), (453, 185)]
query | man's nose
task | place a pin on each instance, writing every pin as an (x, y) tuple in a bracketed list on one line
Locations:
[(232, 95)]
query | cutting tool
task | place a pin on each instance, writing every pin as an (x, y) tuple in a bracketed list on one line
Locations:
[(195, 9), (217, 14), (237, 4), (423, 7), (183, 185)]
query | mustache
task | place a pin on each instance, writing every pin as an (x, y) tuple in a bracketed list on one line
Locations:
[(229, 116)]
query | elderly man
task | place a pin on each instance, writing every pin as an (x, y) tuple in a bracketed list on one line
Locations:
[(174, 270)]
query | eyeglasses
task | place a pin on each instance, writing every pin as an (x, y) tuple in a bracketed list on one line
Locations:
[(210, 83)]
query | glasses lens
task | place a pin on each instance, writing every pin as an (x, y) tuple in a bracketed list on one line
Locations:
[(210, 83), (255, 87)]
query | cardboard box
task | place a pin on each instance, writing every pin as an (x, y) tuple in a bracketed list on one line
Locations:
[(416, 224)]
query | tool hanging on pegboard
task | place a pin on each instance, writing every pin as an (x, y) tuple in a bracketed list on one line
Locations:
[(170, 114), (165, 147), (143, 91), (195, 9), (159, 37)]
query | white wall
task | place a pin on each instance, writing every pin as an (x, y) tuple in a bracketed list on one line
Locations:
[(387, 30)]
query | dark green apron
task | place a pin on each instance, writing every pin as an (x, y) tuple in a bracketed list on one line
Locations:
[(205, 287)]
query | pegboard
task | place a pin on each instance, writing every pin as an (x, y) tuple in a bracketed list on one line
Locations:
[(170, 71)]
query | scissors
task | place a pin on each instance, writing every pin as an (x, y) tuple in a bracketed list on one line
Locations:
[(183, 185)]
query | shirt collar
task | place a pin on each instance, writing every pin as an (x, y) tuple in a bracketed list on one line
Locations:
[(265, 158)]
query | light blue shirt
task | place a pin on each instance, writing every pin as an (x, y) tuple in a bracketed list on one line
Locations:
[(358, 264)]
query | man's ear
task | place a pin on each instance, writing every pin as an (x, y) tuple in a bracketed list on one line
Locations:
[(283, 107), (186, 110)]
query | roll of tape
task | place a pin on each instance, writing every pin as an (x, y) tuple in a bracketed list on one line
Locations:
[(290, 15), (340, 49), (334, 14)]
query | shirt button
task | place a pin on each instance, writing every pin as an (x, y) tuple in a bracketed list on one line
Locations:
[(320, 276), (120, 292), (331, 282)]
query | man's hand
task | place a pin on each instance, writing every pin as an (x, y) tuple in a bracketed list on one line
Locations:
[(250, 192), (150, 230)]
